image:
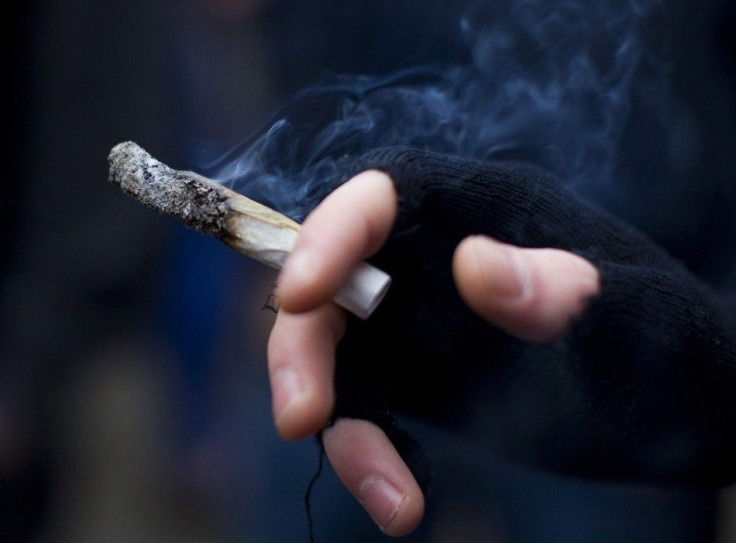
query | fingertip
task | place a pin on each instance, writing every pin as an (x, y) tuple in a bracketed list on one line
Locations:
[(397, 512), (303, 283), (532, 294), (304, 416), (487, 270), (369, 466), (351, 224), (301, 363)]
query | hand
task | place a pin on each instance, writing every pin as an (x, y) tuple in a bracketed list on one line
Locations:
[(530, 293), (640, 386)]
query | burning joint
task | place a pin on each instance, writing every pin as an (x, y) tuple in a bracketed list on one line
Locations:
[(241, 223)]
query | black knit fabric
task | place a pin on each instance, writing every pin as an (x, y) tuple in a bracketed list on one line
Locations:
[(642, 387)]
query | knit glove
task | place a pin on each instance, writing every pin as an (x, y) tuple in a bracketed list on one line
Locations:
[(642, 386)]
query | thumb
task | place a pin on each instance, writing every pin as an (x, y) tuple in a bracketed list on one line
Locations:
[(532, 294)]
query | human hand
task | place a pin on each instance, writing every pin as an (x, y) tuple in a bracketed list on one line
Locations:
[(530, 293), (636, 382)]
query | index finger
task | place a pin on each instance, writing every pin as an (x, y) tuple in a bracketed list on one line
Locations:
[(349, 225)]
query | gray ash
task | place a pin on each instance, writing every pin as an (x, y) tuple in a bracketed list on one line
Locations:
[(184, 195)]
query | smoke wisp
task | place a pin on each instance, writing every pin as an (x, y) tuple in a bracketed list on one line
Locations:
[(549, 82)]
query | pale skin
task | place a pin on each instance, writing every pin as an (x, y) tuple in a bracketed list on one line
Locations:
[(532, 294)]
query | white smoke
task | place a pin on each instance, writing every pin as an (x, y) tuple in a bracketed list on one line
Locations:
[(549, 81)]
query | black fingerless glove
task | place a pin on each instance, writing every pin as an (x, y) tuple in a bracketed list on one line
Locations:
[(642, 387)]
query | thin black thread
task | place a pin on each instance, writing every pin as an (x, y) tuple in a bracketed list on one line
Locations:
[(310, 487), (272, 304)]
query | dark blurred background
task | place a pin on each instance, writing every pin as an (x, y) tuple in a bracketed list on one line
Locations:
[(134, 403)]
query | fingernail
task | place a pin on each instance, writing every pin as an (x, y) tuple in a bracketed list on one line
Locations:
[(381, 499), (507, 272), (287, 388)]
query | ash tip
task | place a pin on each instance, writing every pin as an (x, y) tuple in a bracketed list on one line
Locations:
[(123, 147), (155, 185), (124, 160)]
